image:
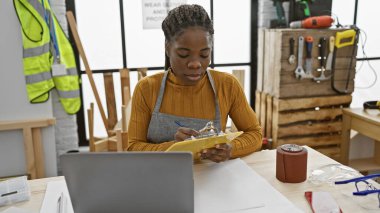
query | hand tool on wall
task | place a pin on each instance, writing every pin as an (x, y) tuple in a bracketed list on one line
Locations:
[(73, 27), (292, 57), (344, 39), (280, 22), (322, 50), (313, 22), (300, 72), (309, 59), (302, 9), (331, 51)]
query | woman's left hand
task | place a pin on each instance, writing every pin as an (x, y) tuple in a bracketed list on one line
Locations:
[(219, 153)]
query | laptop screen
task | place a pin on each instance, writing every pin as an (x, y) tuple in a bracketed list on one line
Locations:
[(130, 181)]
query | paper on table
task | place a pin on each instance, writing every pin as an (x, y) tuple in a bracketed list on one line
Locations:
[(53, 191), (197, 145), (15, 210), (232, 186)]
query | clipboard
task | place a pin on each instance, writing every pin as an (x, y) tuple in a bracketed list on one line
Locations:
[(197, 145)]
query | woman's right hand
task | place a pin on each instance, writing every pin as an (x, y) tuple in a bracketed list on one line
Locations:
[(183, 133)]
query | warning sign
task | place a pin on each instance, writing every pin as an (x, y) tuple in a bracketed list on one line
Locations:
[(155, 11)]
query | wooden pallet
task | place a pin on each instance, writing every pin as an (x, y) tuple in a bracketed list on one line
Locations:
[(276, 76), (315, 121)]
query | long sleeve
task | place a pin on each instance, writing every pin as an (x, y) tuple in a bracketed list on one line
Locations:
[(245, 120), (194, 102), (139, 122)]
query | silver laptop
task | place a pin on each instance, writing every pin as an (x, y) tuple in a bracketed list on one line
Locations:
[(130, 182)]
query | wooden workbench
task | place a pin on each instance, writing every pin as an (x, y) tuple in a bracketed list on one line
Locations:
[(366, 122), (263, 163)]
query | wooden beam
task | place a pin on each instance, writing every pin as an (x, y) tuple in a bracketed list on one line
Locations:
[(38, 153), (125, 82), (73, 27), (298, 116), (314, 128), (29, 153), (307, 103), (21, 124), (110, 100)]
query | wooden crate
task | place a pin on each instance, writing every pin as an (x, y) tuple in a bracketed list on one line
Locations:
[(315, 121), (276, 76)]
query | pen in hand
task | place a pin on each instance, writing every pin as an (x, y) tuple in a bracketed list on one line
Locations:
[(179, 124), (184, 132)]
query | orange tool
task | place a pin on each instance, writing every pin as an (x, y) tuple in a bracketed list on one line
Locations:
[(313, 22)]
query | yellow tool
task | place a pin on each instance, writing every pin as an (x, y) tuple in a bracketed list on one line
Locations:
[(344, 39)]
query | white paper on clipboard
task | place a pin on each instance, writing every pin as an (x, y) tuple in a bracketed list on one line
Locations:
[(54, 190), (232, 186)]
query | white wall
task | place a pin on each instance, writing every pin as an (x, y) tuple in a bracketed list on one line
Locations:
[(14, 104)]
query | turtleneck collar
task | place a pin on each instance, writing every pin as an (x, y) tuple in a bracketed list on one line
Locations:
[(176, 81)]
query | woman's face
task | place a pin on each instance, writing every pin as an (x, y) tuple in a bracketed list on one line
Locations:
[(190, 54)]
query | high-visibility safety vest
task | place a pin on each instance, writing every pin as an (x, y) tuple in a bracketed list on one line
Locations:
[(45, 45)]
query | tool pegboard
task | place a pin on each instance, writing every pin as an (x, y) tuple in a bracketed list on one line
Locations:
[(301, 9), (325, 71)]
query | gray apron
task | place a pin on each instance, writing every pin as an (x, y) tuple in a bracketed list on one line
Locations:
[(162, 126)]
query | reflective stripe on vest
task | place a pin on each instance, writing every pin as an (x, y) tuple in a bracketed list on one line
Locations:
[(67, 85), (38, 52), (36, 56)]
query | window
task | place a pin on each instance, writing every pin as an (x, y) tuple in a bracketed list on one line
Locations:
[(102, 38), (367, 84)]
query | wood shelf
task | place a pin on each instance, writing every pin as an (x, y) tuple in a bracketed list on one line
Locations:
[(364, 164)]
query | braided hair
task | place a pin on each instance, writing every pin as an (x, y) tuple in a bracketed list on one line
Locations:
[(182, 17)]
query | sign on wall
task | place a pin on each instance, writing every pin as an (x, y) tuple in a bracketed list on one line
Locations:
[(155, 11)]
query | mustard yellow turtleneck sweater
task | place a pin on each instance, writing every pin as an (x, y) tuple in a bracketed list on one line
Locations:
[(179, 100)]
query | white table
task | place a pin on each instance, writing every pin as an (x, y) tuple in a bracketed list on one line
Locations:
[(263, 162)]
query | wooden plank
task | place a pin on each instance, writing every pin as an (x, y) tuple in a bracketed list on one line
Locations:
[(370, 116), (309, 115), (119, 141), (275, 105), (279, 78), (239, 74), (365, 128), (330, 151), (268, 125), (307, 103), (263, 109), (29, 153), (341, 64), (312, 141), (112, 144), (125, 82), (304, 129), (276, 63), (268, 56), (110, 100), (258, 104), (90, 117), (38, 153), (127, 97), (377, 152), (346, 130), (345, 52), (289, 77), (260, 59), (101, 146), (125, 141), (21, 124), (364, 164), (124, 118), (73, 27), (142, 72), (311, 89)]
